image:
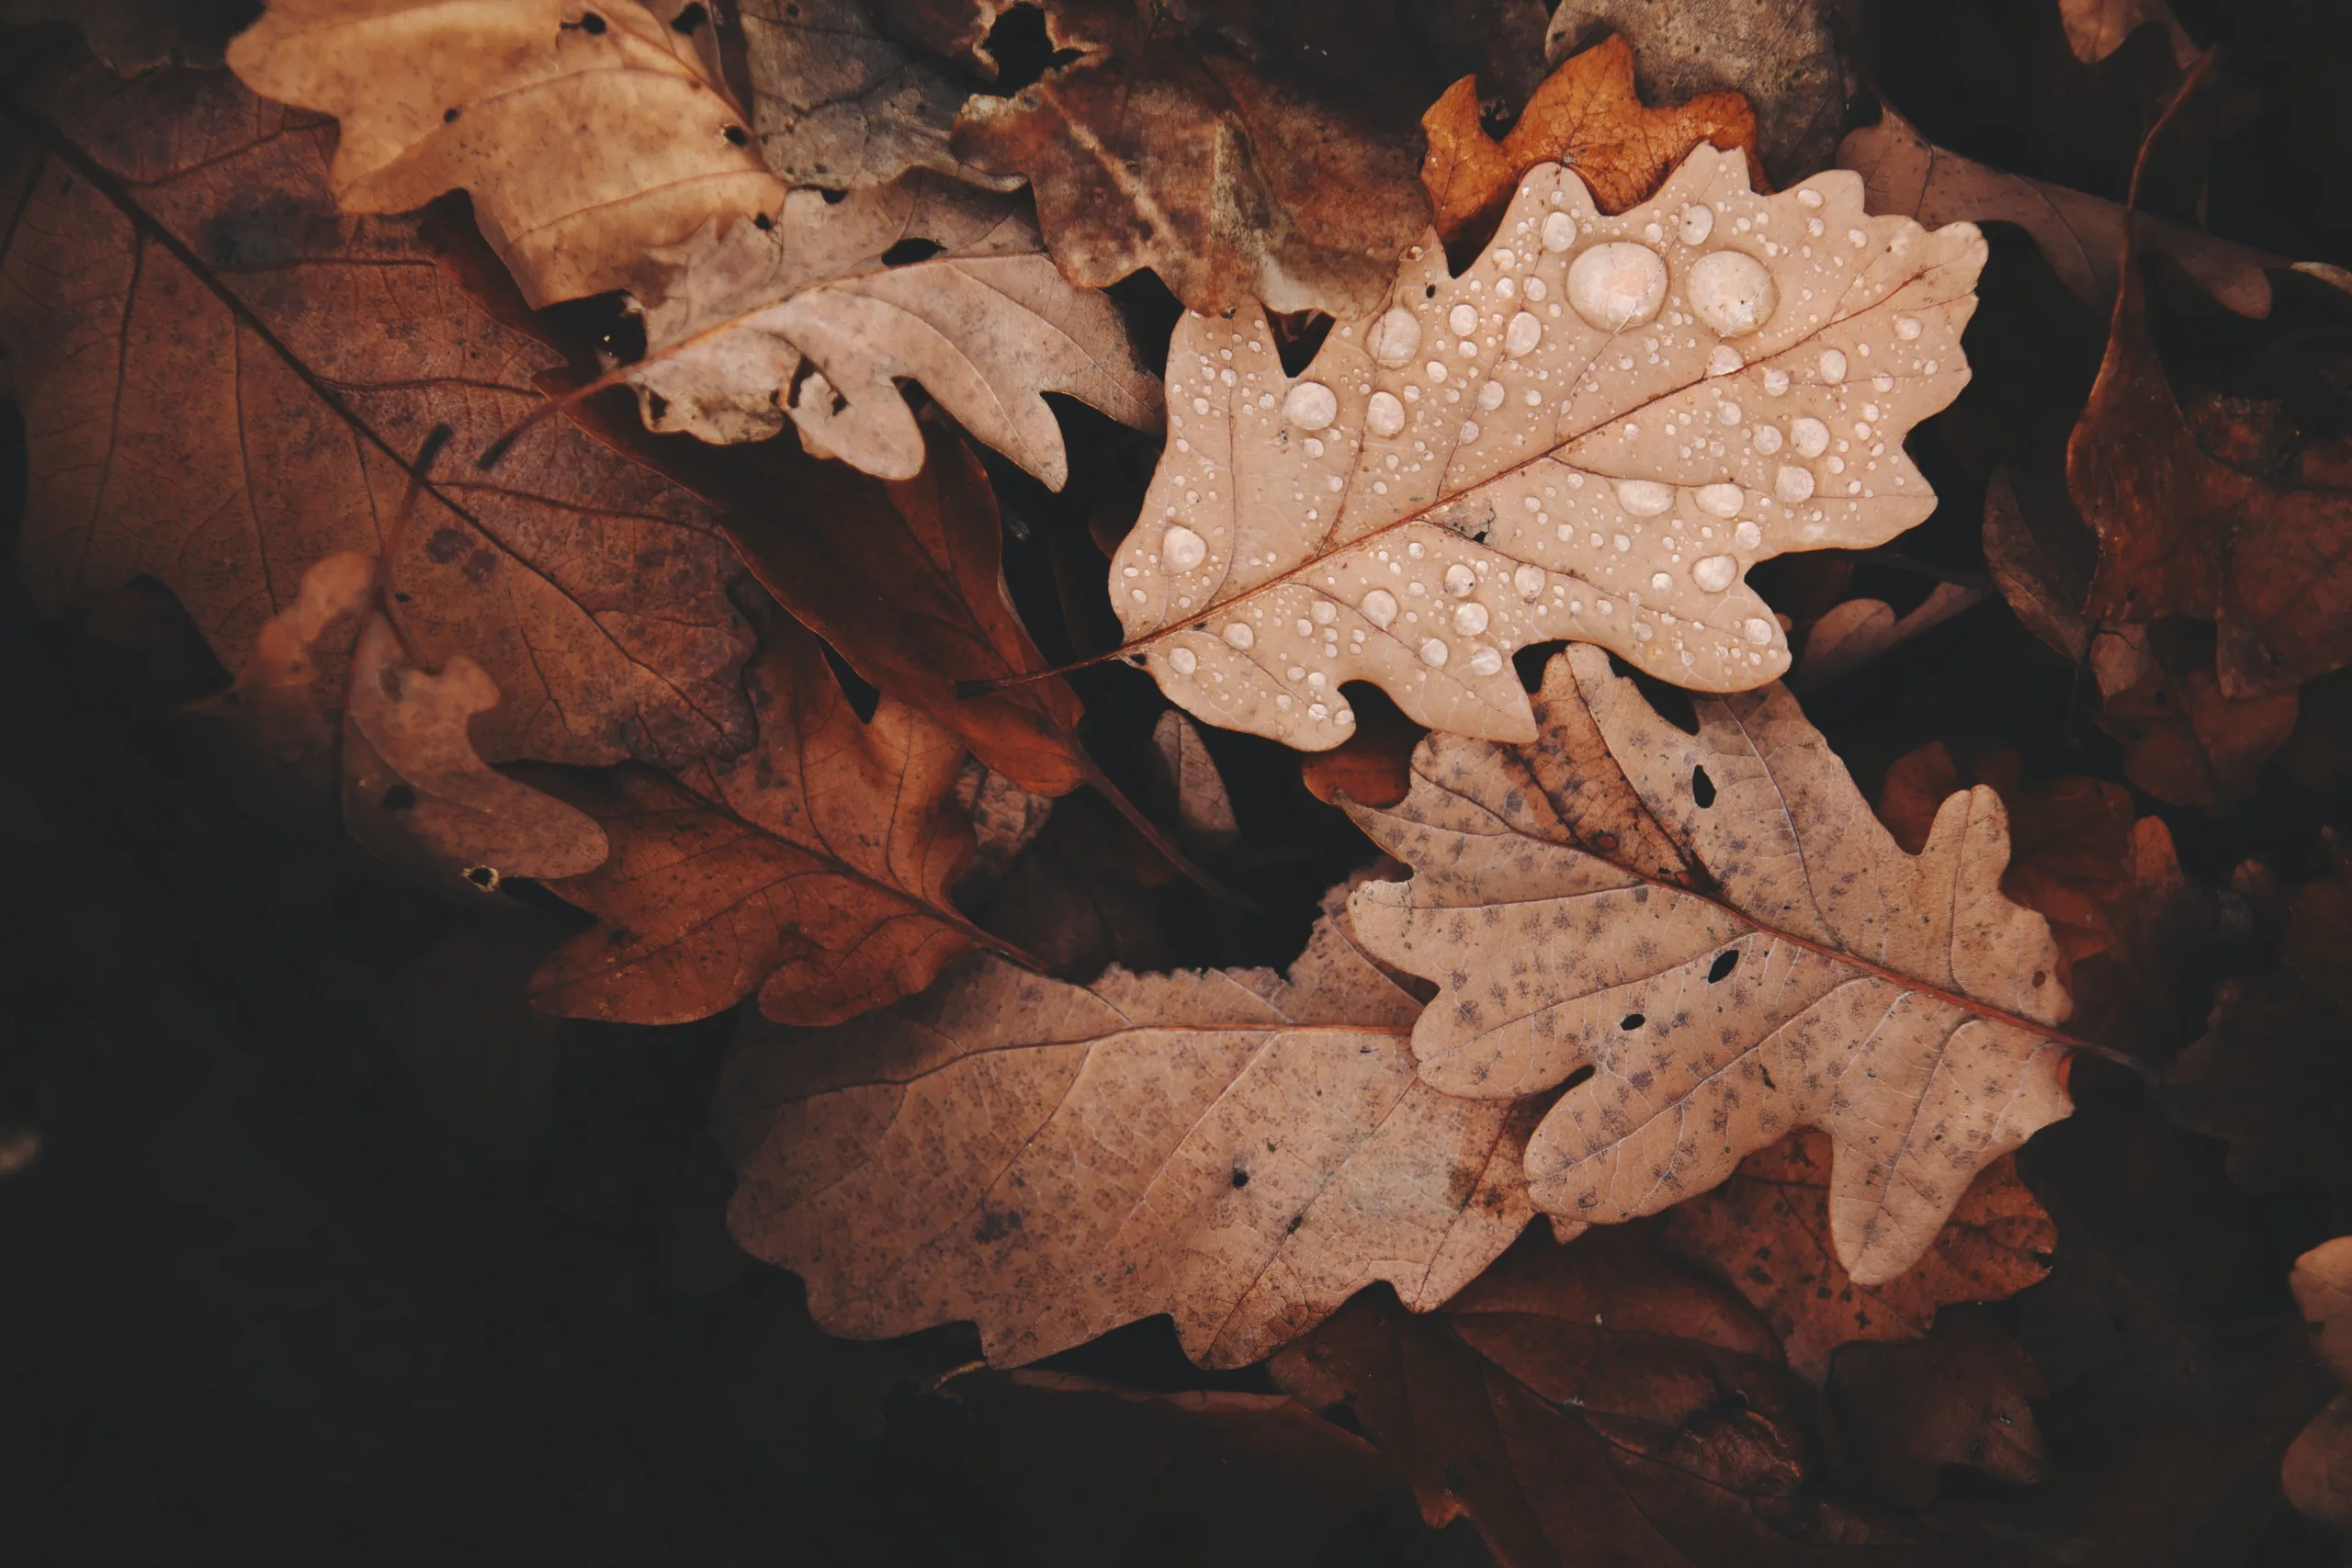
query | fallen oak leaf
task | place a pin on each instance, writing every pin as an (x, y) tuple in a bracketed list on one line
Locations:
[(225, 382), (2181, 533), (813, 869), (1856, 631), (837, 105), (1240, 1149), (2187, 738), (2080, 235), (817, 317), (1825, 979), (1235, 175), (2029, 546), (1372, 767), (1764, 1231), (587, 133), (1586, 1403), (1586, 115), (2097, 29), (1963, 1395), (417, 794), (1204, 810), (1471, 472)]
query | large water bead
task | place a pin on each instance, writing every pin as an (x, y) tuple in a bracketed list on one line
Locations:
[(1617, 285), (1310, 405), (1732, 292), (1395, 337)]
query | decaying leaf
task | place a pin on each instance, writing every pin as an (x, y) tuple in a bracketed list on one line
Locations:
[(1961, 1396), (2081, 236), (1586, 115), (1587, 1403), (415, 791), (2032, 541), (1590, 435), (1236, 1148), (838, 105), (2183, 534), (225, 382), (1231, 175), (1780, 55), (1204, 811), (817, 317), (2071, 852), (2187, 738), (2318, 1467), (587, 134), (813, 869), (2097, 29), (1766, 1233), (135, 36), (1821, 978), (906, 582), (1856, 631), (1372, 767)]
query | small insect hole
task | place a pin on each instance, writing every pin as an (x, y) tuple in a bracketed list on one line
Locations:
[(1241, 1177), (764, 222), (484, 876), (591, 23), (908, 252), (686, 21), (1580, 1076), (399, 797), (449, 117), (735, 136), (1702, 788), (1726, 962), (1631, 1021)]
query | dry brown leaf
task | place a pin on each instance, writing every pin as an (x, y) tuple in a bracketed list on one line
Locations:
[(588, 134), (817, 317), (839, 105), (1586, 115), (225, 382), (1779, 55), (418, 797), (1856, 631), (1240, 1149), (1590, 435), (2183, 534), (2030, 543), (813, 869), (1372, 767), (2187, 740), (2071, 852), (2097, 29), (1204, 810), (1586, 1405), (1962, 1396), (1766, 1233), (2081, 236), (1229, 173), (2317, 1470), (1824, 979)]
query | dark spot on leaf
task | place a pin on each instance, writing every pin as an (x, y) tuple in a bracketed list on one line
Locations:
[(591, 23), (449, 117), (399, 797), (688, 20), (446, 546), (1631, 1021), (1241, 1177), (735, 137), (1726, 962), (1702, 788), (909, 251)]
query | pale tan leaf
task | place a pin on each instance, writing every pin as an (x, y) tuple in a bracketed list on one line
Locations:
[(812, 319), (2081, 236), (1519, 455), (1825, 978), (286, 704), (418, 796), (1238, 1148), (587, 133), (839, 105)]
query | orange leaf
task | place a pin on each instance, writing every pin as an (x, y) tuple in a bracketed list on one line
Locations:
[(1586, 115)]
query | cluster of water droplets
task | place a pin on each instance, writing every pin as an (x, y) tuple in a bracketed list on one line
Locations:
[(1447, 481)]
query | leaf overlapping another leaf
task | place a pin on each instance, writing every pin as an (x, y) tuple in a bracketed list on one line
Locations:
[(1591, 435), (1238, 1149), (588, 134), (225, 381), (1825, 978)]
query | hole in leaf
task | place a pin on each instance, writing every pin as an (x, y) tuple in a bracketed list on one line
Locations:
[(1022, 50), (484, 876), (764, 222), (1631, 1021), (688, 20), (591, 23), (735, 137), (910, 250), (657, 407), (449, 116), (1298, 337), (399, 797), (833, 197), (1241, 1177), (1726, 962), (1580, 1076), (1702, 788)]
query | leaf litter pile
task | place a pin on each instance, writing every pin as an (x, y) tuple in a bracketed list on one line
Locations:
[(1438, 782)]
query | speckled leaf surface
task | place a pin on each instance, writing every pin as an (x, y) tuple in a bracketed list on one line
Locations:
[(1811, 974), (1591, 435), (1240, 1149)]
